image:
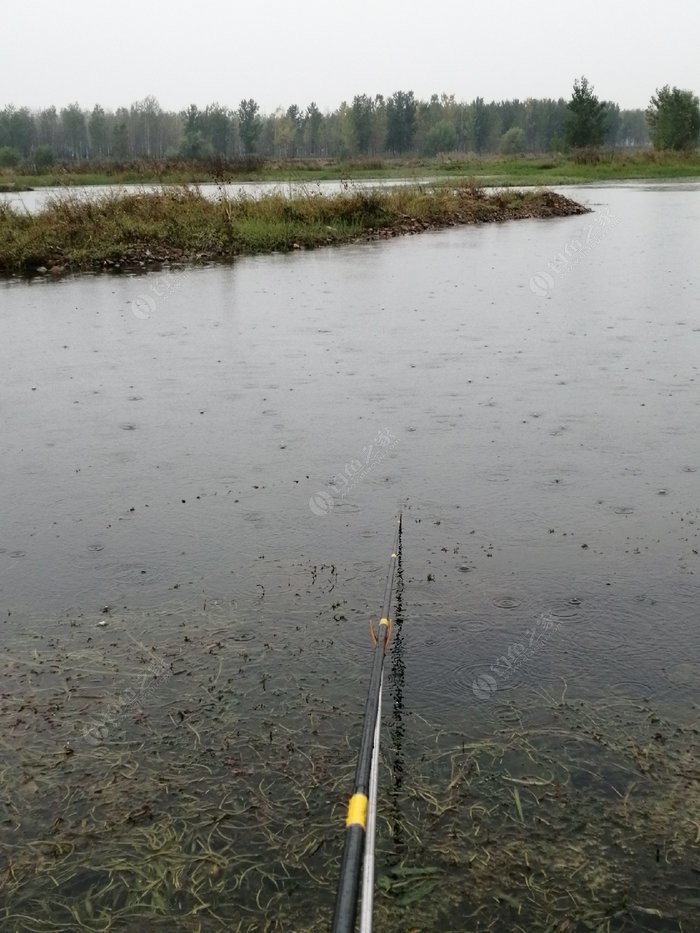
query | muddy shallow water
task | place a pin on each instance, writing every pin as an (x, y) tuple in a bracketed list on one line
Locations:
[(202, 467)]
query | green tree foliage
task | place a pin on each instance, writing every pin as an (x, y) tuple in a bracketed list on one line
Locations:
[(544, 123), (74, 131), (379, 125), (313, 120), (633, 129), (480, 125), (43, 157), (145, 123), (361, 120), (249, 124), (673, 117), (17, 130), (400, 121), (441, 138), (513, 141), (191, 120), (587, 124), (120, 139), (428, 115), (439, 123), (47, 128), (9, 157), (368, 126), (97, 133), (613, 122), (509, 113), (282, 132), (194, 144), (217, 126), (295, 122)]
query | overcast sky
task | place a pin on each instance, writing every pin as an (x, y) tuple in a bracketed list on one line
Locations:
[(282, 53)]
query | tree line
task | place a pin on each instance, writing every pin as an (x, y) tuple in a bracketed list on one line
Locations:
[(368, 126)]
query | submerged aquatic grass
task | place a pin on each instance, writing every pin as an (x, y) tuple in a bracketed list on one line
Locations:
[(219, 799), (136, 231)]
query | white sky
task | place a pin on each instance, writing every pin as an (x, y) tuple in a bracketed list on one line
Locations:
[(281, 53)]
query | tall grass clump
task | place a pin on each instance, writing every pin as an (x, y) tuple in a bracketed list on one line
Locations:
[(124, 229)]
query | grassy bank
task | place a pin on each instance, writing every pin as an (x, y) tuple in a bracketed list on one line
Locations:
[(615, 165), (120, 231)]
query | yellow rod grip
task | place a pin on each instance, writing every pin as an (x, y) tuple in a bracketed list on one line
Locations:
[(357, 811)]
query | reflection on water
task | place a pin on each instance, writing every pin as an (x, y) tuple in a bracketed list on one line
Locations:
[(158, 463)]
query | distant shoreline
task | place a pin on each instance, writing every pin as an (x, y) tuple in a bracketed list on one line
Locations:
[(615, 165), (141, 231)]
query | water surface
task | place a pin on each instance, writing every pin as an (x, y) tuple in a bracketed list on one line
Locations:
[(205, 465)]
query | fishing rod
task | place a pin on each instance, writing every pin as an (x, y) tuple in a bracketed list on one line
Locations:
[(356, 822)]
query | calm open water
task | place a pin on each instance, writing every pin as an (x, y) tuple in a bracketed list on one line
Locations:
[(528, 407)]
